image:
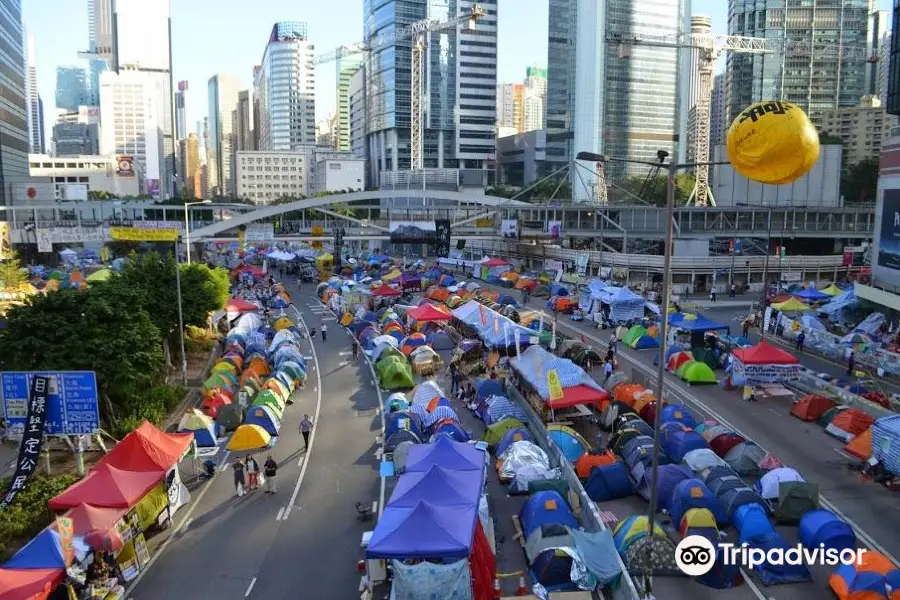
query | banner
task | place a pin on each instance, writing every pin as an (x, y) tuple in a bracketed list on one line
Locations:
[(581, 263), (44, 239), (66, 528), (76, 235), (551, 266), (482, 315), (554, 228), (158, 225), (32, 438), (509, 228), (260, 232), (554, 384), (761, 374), (442, 238), (413, 232), (125, 166), (484, 222), (792, 277), (317, 231), (135, 234)]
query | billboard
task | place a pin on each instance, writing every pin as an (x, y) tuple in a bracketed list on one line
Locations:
[(124, 165), (554, 228), (72, 407), (509, 228), (413, 232), (888, 226), (73, 192), (153, 188), (260, 232)]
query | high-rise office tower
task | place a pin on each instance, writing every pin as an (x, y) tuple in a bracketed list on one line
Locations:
[(14, 141), (460, 121), (717, 122), (131, 116), (814, 81), (244, 129), (101, 39), (346, 67), (535, 96), (357, 94), (879, 36), (77, 133), (71, 88), (33, 101), (893, 76), (142, 42), (627, 107), (223, 100), (191, 169), (180, 113), (511, 106), (285, 85), (534, 112)]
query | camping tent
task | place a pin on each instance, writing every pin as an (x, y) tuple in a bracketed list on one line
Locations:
[(822, 527), (693, 493), (791, 305), (811, 407), (569, 441), (769, 484), (609, 482), (147, 448), (849, 423), (677, 440), (744, 458), (264, 417), (107, 486), (545, 508), (396, 375), (868, 580), (201, 426), (811, 294), (861, 445), (680, 414), (248, 438), (695, 372), (795, 499)]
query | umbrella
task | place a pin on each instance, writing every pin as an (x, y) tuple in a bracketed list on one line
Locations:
[(104, 540)]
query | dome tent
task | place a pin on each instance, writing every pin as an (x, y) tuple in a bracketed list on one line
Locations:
[(824, 527), (609, 482), (693, 493)]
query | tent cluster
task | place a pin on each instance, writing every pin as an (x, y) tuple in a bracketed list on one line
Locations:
[(133, 475), (578, 388), (639, 337), (422, 415), (602, 301)]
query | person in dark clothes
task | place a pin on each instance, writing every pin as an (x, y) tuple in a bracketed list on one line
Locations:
[(801, 338), (306, 426), (851, 363)]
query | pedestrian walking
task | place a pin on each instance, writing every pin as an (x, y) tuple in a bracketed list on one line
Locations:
[(238, 467), (607, 370), (252, 473), (454, 379), (733, 291), (745, 329), (306, 426), (324, 332), (801, 337), (355, 350), (712, 296), (270, 469)]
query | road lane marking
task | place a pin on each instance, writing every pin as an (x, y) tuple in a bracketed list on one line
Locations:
[(344, 353), (756, 592), (280, 512), (773, 411), (674, 388), (250, 587), (186, 525), (844, 454), (312, 436), (224, 464)]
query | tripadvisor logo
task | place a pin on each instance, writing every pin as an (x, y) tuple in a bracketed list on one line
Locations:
[(695, 555)]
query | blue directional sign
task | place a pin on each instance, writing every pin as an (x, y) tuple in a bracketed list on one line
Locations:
[(72, 407)]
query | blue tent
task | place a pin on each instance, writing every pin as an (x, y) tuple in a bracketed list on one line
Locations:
[(44, 551), (568, 444), (265, 418), (693, 493), (438, 486), (557, 289), (752, 522), (698, 325), (486, 388), (669, 478), (448, 454), (205, 438), (645, 342), (423, 531), (811, 295), (677, 414), (506, 299), (784, 573), (545, 508), (512, 436), (678, 440), (609, 482), (450, 430), (394, 422), (825, 528)]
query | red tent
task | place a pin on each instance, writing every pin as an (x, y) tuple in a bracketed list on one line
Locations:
[(87, 518), (764, 354), (385, 290), (426, 313), (108, 487), (33, 584), (148, 449), (495, 262), (812, 407), (579, 394), (240, 305)]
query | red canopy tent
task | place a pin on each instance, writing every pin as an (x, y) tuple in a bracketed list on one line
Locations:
[(87, 518), (495, 262), (108, 487), (764, 353), (148, 449), (427, 313), (33, 584), (240, 305), (385, 290), (579, 394)]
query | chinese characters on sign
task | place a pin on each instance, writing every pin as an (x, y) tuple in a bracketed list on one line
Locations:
[(71, 402), (32, 438)]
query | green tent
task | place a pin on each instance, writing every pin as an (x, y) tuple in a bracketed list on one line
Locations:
[(269, 398), (396, 376), (389, 352), (633, 335), (101, 275), (230, 416), (695, 372), (385, 363), (294, 370), (220, 379), (494, 433)]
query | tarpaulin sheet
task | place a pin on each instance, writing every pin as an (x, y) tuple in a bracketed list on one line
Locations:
[(495, 330), (534, 364), (427, 581), (598, 551), (886, 442)]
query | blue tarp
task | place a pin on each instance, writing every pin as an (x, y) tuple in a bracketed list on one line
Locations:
[(845, 300), (496, 330), (415, 582), (534, 364), (598, 551)]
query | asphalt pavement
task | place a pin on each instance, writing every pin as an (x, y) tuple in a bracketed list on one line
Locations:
[(303, 541), (868, 507)]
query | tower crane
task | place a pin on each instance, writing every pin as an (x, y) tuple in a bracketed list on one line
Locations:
[(415, 32), (709, 47)]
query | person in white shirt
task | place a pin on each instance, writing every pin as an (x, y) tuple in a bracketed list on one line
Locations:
[(324, 331), (607, 370)]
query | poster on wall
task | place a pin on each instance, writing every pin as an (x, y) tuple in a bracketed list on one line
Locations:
[(125, 166), (554, 228), (44, 239), (509, 228), (889, 242), (413, 232), (442, 238), (153, 188)]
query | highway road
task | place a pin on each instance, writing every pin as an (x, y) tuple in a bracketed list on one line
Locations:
[(867, 506), (303, 541)]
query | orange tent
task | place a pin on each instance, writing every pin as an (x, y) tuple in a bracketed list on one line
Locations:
[(250, 374), (212, 404), (853, 421), (642, 399), (439, 294), (588, 461), (625, 392), (861, 445), (812, 407)]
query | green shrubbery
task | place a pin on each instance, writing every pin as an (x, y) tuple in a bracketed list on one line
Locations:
[(28, 514)]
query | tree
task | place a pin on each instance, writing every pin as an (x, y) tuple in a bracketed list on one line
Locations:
[(859, 182), (102, 329), (550, 190), (11, 274), (630, 189), (827, 138), (203, 290), (502, 191)]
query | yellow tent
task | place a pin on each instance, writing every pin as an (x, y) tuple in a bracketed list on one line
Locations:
[(225, 366), (100, 275), (249, 437), (346, 319), (792, 305), (283, 323), (832, 290), (324, 261), (392, 275)]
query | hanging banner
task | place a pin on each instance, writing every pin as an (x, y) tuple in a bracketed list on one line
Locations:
[(260, 232), (317, 231), (412, 232), (509, 228), (66, 528), (581, 263), (44, 239), (137, 234), (482, 314), (442, 238), (554, 228), (554, 384), (551, 266), (32, 438)]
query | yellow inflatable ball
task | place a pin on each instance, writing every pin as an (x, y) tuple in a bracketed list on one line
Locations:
[(772, 142)]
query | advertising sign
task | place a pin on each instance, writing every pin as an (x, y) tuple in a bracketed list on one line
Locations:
[(153, 188), (44, 240), (125, 165), (71, 403), (260, 232), (35, 415), (137, 234), (554, 384), (317, 231), (509, 228), (412, 232), (554, 228), (889, 232)]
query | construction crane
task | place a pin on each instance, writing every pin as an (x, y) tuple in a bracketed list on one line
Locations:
[(416, 32), (709, 47)]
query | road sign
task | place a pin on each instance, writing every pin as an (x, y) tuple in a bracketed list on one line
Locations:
[(72, 406)]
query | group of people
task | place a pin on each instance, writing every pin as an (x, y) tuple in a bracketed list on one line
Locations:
[(247, 475)]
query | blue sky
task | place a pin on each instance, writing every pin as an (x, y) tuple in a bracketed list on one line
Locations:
[(235, 43)]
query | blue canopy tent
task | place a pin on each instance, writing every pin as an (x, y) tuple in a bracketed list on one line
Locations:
[(446, 453), (44, 551), (437, 486), (423, 531), (699, 325), (811, 295)]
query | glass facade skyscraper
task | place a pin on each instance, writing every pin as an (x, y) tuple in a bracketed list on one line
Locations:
[(461, 74), (223, 100), (71, 88), (14, 125), (814, 81), (626, 105)]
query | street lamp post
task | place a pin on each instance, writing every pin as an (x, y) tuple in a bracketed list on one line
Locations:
[(672, 169), (187, 228)]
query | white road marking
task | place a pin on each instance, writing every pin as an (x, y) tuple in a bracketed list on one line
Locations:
[(844, 454), (250, 587), (756, 591), (329, 319), (186, 525), (307, 358), (224, 464), (344, 353), (280, 512), (315, 427), (675, 388), (773, 411), (300, 462)]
